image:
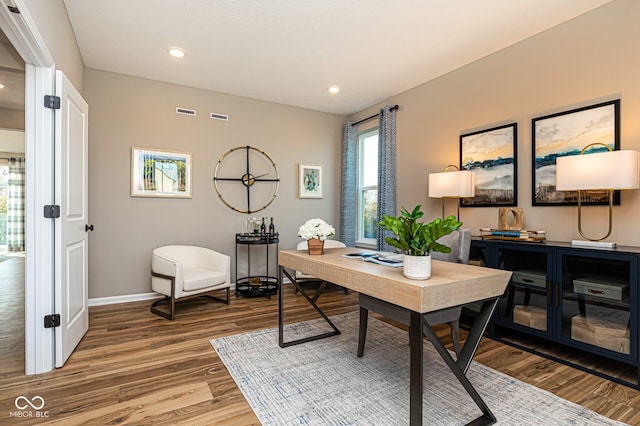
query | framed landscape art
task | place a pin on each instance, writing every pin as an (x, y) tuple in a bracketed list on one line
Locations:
[(156, 173), (491, 155), (567, 133)]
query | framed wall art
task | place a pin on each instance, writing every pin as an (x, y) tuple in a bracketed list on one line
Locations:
[(567, 133), (310, 183), (159, 173), (491, 155)]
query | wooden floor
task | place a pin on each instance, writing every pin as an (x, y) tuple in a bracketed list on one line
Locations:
[(11, 318), (135, 367)]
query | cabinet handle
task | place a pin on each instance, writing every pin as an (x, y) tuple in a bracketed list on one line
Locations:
[(557, 294)]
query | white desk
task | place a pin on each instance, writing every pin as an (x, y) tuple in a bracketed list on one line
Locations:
[(451, 284)]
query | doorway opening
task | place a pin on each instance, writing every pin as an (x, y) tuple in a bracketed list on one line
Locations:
[(12, 207)]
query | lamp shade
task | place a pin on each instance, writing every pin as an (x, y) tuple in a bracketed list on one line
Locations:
[(452, 184), (603, 170)]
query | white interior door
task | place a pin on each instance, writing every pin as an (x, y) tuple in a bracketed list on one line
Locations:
[(71, 179)]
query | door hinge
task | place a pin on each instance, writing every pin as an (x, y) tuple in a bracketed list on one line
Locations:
[(52, 321), (51, 211), (52, 102)]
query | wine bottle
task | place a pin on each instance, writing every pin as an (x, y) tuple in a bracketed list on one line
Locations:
[(272, 229), (263, 227)]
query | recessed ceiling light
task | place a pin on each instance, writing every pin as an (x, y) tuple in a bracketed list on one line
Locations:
[(176, 52), (333, 89), (1, 86)]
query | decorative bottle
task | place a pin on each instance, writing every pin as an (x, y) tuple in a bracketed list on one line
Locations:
[(263, 227), (272, 229)]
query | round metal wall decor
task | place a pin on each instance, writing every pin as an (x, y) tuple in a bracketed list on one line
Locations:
[(246, 179)]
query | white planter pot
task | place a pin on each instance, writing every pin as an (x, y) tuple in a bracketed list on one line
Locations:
[(417, 267)]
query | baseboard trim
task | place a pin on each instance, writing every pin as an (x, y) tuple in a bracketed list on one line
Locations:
[(112, 300)]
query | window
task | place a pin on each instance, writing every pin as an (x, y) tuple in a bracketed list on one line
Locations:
[(367, 187)]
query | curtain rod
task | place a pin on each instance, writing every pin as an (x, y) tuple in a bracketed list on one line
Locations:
[(373, 116)]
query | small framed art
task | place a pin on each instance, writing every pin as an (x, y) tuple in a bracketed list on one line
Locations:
[(159, 173), (310, 183)]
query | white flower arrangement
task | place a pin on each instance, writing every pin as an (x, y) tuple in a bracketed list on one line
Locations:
[(316, 228)]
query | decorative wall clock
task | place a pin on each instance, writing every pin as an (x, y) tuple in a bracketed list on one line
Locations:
[(246, 179)]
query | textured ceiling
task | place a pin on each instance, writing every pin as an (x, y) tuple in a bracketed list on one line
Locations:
[(290, 52)]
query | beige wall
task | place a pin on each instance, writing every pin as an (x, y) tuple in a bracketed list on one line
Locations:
[(53, 24), (11, 119), (127, 112), (587, 60)]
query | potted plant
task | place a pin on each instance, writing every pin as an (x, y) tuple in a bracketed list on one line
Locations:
[(315, 231), (417, 239)]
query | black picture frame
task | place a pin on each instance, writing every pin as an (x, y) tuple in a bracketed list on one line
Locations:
[(566, 133), (492, 155)]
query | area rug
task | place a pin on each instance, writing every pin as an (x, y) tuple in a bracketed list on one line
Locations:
[(325, 383)]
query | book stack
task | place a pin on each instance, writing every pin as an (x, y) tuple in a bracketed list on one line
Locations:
[(513, 235)]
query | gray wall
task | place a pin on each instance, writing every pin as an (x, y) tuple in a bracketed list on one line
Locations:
[(127, 112), (587, 60), (53, 24)]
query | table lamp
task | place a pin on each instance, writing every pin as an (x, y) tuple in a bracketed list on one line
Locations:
[(452, 184), (608, 171)]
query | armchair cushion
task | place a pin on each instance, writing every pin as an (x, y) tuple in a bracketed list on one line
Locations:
[(203, 278)]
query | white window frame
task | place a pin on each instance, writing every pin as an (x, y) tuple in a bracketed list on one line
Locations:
[(361, 241)]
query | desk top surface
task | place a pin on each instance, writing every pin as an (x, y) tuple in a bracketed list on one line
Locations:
[(451, 284)]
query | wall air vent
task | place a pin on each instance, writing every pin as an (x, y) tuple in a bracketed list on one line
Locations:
[(186, 111), (216, 116)]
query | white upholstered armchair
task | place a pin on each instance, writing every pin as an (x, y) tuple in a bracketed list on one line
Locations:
[(183, 271)]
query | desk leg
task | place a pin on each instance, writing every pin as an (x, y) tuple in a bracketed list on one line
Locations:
[(280, 308), (416, 369), (312, 302), (460, 366)]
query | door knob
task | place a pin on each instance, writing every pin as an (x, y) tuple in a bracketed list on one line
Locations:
[(88, 228)]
